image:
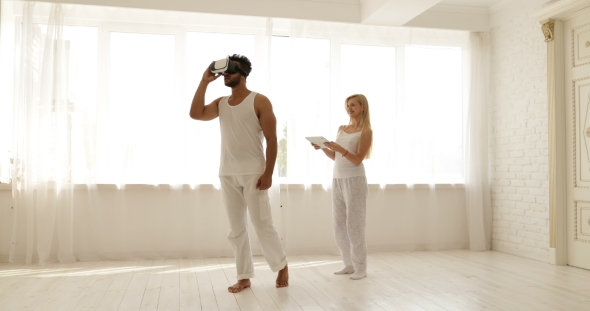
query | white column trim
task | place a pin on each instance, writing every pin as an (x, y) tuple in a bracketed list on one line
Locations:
[(557, 146)]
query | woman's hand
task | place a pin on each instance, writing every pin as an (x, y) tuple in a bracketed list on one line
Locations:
[(329, 153), (335, 147)]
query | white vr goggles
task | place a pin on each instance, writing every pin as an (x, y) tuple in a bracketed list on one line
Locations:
[(226, 65)]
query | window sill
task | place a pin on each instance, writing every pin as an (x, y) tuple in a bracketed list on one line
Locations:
[(376, 186), (8, 187)]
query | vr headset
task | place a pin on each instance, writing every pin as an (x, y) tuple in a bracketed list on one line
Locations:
[(226, 65)]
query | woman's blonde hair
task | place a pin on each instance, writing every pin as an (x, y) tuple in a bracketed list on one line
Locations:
[(365, 119)]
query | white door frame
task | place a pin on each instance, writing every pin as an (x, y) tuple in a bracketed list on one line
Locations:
[(552, 18)]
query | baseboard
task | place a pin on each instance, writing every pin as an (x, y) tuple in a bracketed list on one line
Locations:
[(152, 255), (552, 256), (294, 251), (520, 253), (417, 247)]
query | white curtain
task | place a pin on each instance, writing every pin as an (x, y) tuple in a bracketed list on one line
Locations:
[(108, 165), (414, 82), (412, 78), (42, 188), (477, 190)]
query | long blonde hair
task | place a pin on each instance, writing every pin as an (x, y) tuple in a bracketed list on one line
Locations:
[(365, 119)]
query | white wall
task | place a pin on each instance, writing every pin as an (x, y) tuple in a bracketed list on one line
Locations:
[(5, 221), (519, 131), (164, 223), (398, 219)]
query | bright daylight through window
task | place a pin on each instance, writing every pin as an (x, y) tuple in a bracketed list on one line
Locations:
[(130, 86)]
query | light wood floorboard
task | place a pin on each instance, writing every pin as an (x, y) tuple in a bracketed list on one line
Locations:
[(457, 280)]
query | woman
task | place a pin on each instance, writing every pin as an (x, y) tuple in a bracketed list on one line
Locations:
[(349, 185)]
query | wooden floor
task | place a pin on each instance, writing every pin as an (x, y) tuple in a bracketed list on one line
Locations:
[(446, 280)]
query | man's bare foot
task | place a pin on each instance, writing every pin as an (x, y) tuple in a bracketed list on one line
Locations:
[(283, 277), (238, 287), (345, 270)]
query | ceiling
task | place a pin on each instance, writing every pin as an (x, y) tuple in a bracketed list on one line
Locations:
[(471, 3), (470, 15), (428, 13)]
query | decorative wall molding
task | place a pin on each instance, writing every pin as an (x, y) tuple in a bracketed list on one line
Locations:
[(556, 141), (577, 34), (560, 9), (577, 84), (577, 213), (548, 30)]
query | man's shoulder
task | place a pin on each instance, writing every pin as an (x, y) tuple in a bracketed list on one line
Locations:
[(259, 96), (261, 99), (219, 100)]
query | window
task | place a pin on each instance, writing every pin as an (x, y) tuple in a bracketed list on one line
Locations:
[(131, 84), (371, 70), (417, 132), (300, 93), (79, 46), (431, 116), (201, 140), (141, 108)]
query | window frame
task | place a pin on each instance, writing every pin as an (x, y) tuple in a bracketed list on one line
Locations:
[(180, 34)]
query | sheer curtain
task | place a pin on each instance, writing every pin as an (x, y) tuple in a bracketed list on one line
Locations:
[(42, 187), (477, 190), (414, 80), (108, 165)]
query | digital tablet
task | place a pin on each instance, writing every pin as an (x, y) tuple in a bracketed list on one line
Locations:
[(318, 140)]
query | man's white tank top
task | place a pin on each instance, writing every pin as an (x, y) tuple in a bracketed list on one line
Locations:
[(342, 167), (241, 138)]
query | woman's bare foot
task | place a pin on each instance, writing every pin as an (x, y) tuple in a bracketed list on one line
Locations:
[(283, 277), (357, 275), (238, 287)]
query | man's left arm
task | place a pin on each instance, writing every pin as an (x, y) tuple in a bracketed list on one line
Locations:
[(268, 122)]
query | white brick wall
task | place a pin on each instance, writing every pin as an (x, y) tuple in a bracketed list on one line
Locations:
[(519, 128)]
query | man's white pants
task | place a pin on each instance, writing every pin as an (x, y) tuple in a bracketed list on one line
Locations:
[(239, 196)]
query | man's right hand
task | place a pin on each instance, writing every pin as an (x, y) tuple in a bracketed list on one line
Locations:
[(208, 76), (200, 111)]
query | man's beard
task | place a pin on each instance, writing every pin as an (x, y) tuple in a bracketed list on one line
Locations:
[(233, 82)]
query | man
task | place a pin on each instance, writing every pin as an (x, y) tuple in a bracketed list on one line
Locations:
[(245, 118)]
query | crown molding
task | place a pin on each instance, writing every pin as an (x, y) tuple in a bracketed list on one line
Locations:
[(560, 9)]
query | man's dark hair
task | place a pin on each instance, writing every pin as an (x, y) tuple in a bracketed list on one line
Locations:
[(243, 61)]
